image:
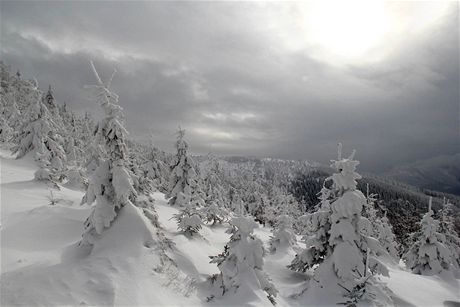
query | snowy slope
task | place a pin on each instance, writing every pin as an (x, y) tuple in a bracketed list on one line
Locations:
[(40, 264)]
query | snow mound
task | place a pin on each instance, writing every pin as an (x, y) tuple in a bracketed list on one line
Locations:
[(123, 268)]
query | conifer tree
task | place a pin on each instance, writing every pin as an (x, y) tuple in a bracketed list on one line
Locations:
[(189, 219), (283, 235), (447, 228), (339, 248), (317, 235), (39, 134), (428, 255), (110, 187), (214, 214), (213, 185), (6, 132), (381, 228), (241, 263), (387, 237), (155, 170), (183, 175)]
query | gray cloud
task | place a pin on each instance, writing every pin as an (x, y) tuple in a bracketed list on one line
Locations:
[(217, 69)]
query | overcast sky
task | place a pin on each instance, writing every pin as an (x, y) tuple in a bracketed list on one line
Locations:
[(276, 79)]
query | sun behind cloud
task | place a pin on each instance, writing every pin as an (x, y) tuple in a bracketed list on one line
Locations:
[(354, 31)]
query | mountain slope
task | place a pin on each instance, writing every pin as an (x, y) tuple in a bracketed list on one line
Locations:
[(40, 265), (440, 173)]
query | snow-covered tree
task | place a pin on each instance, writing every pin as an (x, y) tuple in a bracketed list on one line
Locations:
[(381, 227), (183, 175), (213, 185), (369, 210), (111, 186), (447, 228), (189, 219), (155, 169), (51, 105), (197, 197), (338, 248), (280, 203), (387, 237), (214, 214), (316, 236), (241, 263), (283, 235), (428, 255), (39, 134), (256, 205), (236, 202), (6, 132)]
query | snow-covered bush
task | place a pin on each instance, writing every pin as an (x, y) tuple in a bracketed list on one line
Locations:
[(428, 255), (241, 263), (283, 235), (76, 178)]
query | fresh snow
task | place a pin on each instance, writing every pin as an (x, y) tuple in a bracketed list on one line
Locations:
[(39, 264)]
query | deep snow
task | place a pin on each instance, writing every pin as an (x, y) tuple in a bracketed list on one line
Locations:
[(40, 264)]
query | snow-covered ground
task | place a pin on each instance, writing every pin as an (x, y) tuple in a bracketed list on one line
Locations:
[(39, 265)]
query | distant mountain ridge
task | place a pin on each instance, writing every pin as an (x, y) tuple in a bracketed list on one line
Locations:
[(441, 173)]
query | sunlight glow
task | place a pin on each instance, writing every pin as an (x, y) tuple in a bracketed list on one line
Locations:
[(347, 28), (355, 31)]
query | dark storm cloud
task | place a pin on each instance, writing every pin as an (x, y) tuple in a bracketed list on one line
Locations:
[(216, 71)]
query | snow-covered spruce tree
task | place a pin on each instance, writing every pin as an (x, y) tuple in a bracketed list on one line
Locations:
[(155, 169), (214, 214), (283, 235), (236, 202), (428, 255), (142, 184), (110, 186), (184, 189), (189, 219), (183, 175), (241, 263), (381, 227), (257, 203), (279, 203), (341, 243), (447, 228), (369, 210), (10, 117), (387, 238), (39, 134), (51, 105), (213, 185), (316, 236), (6, 132), (197, 197)]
